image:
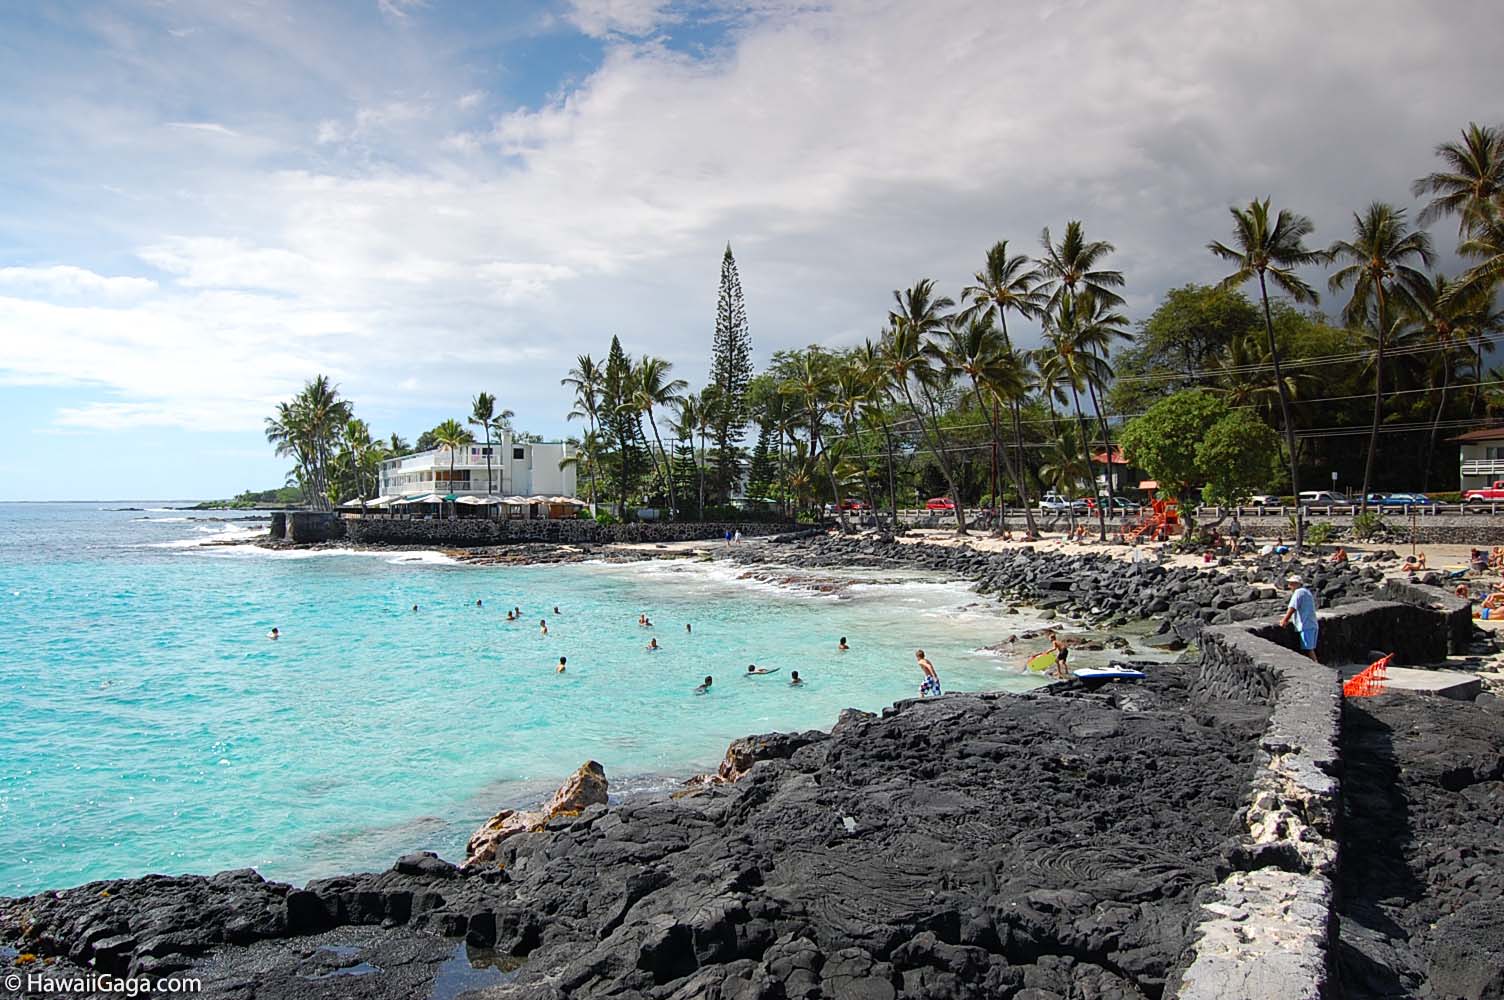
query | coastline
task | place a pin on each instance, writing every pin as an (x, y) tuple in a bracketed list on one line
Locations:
[(319, 913)]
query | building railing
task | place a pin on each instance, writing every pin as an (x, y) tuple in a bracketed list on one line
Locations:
[(1483, 467)]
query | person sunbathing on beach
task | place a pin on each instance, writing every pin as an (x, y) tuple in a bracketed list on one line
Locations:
[(1494, 601), (841, 646), (652, 646), (794, 680), (705, 687), (1496, 557), (562, 661), (753, 670)]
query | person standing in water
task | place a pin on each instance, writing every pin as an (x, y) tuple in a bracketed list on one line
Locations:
[(562, 661), (275, 633), (688, 628), (794, 680), (543, 626), (653, 646), (841, 646), (1062, 654), (931, 685)]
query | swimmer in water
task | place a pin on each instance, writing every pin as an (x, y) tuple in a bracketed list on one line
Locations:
[(479, 603), (704, 688), (517, 612), (511, 617), (689, 628), (841, 647), (794, 680), (562, 661), (556, 610), (642, 619), (415, 607), (753, 669), (543, 626), (653, 646), (275, 633)]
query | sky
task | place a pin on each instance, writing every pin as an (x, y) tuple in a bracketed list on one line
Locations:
[(207, 202)]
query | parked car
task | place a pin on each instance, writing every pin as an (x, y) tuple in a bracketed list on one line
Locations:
[(1399, 499), (1320, 498), (1054, 503), (1264, 500), (1118, 507), (1488, 494), (939, 503)]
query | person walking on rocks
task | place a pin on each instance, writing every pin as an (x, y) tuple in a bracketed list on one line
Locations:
[(931, 685), (1302, 608)]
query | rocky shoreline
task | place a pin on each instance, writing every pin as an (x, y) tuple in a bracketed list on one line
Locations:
[(1062, 843)]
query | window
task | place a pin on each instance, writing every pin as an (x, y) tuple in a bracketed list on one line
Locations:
[(518, 452)]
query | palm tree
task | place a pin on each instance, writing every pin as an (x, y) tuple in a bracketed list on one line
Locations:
[(1442, 320), (810, 385), (1486, 245), (1379, 268), (452, 434), (588, 380), (653, 388), (308, 429), (974, 350), (1273, 251), (587, 452), (398, 445), (483, 415), (1472, 185), (1010, 284), (854, 391), (921, 315), (870, 357), (1084, 329), (1076, 370), (1073, 265)]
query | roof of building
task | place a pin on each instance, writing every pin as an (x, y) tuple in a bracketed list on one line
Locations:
[(1482, 434)]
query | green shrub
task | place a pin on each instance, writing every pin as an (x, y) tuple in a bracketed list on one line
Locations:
[(1446, 497), (1367, 525), (1320, 533), (604, 517)]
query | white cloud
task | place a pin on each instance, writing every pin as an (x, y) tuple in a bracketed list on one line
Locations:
[(212, 127), (844, 151), (65, 281)]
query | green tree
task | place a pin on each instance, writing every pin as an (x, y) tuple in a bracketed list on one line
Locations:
[(308, 430), (652, 388), (588, 381), (730, 372), (1237, 453), (1166, 443), (1471, 186), (1379, 265), (1272, 250), (1010, 283), (619, 417), (921, 315), (452, 435), (1188, 331), (1075, 265), (483, 415)]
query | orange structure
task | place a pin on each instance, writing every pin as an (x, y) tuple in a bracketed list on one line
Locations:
[(1160, 520), (1369, 681)]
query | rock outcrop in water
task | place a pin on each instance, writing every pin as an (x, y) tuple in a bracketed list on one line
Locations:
[(978, 845), (586, 787)]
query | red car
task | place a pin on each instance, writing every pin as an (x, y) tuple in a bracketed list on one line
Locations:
[(853, 505), (939, 503)]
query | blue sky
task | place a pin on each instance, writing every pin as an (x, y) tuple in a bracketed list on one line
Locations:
[(209, 201)]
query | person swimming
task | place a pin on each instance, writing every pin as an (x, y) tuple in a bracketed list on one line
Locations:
[(562, 660), (511, 617), (517, 612), (753, 670), (841, 646), (275, 633), (543, 626), (415, 607), (557, 611), (652, 646), (705, 687), (794, 680), (689, 628), (479, 603)]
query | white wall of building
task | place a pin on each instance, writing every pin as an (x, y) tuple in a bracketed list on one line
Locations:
[(523, 468)]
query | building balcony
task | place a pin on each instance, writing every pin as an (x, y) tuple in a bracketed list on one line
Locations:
[(1493, 468)]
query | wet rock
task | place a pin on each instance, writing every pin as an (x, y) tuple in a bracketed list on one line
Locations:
[(585, 787)]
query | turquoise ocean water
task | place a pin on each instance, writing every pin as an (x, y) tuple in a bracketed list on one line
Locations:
[(148, 725)]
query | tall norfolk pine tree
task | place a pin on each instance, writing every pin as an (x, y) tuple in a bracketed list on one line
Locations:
[(618, 419), (730, 372)]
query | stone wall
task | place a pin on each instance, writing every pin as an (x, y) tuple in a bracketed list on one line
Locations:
[(462, 532), (278, 527), (1434, 529), (1270, 924), (310, 526), (1456, 611)]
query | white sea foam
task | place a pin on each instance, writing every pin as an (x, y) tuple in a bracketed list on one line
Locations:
[(207, 535)]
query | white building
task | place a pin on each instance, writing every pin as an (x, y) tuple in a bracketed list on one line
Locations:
[(1482, 457), (520, 468)]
